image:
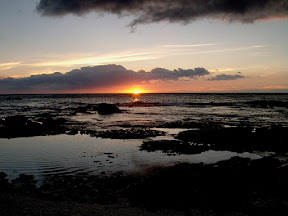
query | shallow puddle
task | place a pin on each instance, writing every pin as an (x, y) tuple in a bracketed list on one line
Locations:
[(66, 154)]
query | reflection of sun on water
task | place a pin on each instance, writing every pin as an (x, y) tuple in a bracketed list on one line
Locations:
[(136, 94), (136, 100)]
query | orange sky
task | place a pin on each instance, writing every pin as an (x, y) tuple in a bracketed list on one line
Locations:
[(247, 53)]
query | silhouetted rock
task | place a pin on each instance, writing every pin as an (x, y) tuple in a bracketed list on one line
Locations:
[(240, 139), (174, 146), (253, 187), (143, 104), (73, 132), (16, 121), (227, 185), (4, 183), (83, 108), (106, 109), (125, 134), (22, 126), (268, 104), (204, 125), (24, 183), (266, 163)]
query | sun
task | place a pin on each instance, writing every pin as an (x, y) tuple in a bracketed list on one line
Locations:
[(136, 92)]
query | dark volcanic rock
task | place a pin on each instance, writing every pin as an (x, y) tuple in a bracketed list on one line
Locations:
[(227, 185), (22, 126), (174, 146), (72, 132), (125, 134), (192, 124), (268, 104), (102, 108), (4, 183), (24, 183), (106, 109), (83, 108), (16, 121), (252, 187), (240, 139), (85, 188), (143, 104)]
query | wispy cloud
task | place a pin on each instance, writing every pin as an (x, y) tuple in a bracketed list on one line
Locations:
[(227, 69), (9, 65), (197, 49), (55, 62), (101, 59), (230, 49), (187, 45), (84, 59)]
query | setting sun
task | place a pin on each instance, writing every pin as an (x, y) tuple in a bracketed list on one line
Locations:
[(137, 92)]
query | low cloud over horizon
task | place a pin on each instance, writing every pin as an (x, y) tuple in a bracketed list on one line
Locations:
[(174, 11), (101, 77), (226, 77)]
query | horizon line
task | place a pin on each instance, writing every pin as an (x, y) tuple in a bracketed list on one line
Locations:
[(244, 92)]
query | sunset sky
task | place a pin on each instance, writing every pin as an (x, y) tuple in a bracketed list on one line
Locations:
[(88, 46)]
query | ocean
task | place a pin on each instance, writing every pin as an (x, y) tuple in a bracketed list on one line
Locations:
[(79, 146)]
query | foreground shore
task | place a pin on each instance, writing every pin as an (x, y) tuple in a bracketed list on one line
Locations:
[(239, 186)]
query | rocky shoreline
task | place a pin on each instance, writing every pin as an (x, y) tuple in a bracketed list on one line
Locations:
[(200, 136), (239, 186)]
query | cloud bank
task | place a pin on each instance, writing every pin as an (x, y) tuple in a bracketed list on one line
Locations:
[(183, 11), (97, 77)]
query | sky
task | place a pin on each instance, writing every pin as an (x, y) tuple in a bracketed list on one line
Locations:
[(116, 46)]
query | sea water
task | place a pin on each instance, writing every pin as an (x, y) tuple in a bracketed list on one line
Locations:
[(66, 154)]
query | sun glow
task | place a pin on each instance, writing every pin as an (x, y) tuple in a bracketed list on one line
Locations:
[(137, 92)]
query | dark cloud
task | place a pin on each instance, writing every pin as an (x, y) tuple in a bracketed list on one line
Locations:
[(105, 76), (226, 77), (164, 74), (148, 11)]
